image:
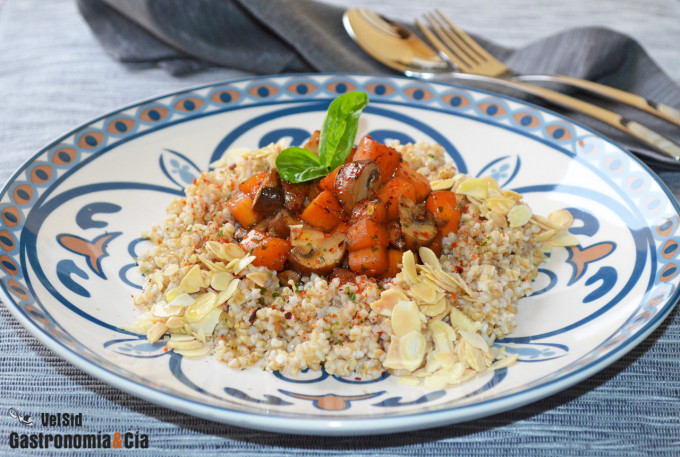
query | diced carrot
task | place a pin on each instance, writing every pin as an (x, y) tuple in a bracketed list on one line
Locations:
[(323, 212), (389, 195), (372, 261), (366, 233), (443, 205), (387, 158), (269, 251), (394, 257), (350, 157), (436, 244), (251, 185), (328, 183), (421, 185), (241, 207), (369, 209)]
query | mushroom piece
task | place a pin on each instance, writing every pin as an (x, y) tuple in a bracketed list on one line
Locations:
[(294, 195), (313, 251), (395, 235), (286, 276), (417, 223), (356, 181), (279, 225), (269, 197), (344, 275)]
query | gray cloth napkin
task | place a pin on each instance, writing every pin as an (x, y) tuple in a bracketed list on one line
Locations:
[(284, 36)]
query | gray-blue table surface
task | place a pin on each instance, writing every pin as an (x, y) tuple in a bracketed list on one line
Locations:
[(54, 76)]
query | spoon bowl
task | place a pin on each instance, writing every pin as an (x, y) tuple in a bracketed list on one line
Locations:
[(392, 44)]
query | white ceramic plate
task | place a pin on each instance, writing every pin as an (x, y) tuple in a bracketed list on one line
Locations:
[(72, 217)]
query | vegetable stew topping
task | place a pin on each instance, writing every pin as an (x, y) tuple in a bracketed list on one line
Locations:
[(332, 209)]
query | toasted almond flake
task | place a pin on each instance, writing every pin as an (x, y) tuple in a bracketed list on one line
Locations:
[(388, 299), (233, 251), (258, 277), (498, 220), (545, 223), (443, 335), (192, 281), (519, 215), (423, 293), (564, 239), (227, 293), (206, 325), (405, 318), (170, 270), (474, 340), (182, 299), (408, 381), (442, 184), (171, 294), (393, 358), (175, 322), (158, 279), (429, 257), (474, 358), (212, 266), (505, 362), (243, 263), (155, 332), (460, 321), (499, 205), (435, 381), (221, 280), (408, 268), (165, 310), (474, 187), (455, 373), (445, 359), (561, 217), (412, 350), (544, 236), (194, 353), (435, 309), (201, 307)]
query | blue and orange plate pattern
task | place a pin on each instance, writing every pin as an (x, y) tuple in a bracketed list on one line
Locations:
[(71, 219)]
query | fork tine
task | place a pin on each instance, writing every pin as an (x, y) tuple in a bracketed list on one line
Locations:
[(467, 39), (455, 42), (436, 37)]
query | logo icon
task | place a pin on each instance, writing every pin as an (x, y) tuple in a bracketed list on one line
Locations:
[(26, 420)]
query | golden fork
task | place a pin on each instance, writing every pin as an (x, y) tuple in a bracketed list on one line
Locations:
[(611, 118), (470, 57)]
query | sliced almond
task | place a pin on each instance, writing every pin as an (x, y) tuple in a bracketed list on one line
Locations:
[(388, 299), (405, 318), (221, 280), (412, 350), (193, 280), (460, 321), (258, 277), (474, 187), (429, 257), (561, 217), (519, 215), (201, 307), (423, 293), (155, 332), (408, 268)]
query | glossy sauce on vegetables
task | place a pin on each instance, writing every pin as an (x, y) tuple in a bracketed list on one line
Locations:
[(357, 220)]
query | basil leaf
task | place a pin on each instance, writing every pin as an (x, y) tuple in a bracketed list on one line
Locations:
[(297, 165), (340, 128)]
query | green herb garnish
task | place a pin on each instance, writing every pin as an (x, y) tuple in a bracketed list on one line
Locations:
[(338, 131)]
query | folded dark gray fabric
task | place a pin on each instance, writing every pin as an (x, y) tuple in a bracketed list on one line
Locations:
[(281, 36)]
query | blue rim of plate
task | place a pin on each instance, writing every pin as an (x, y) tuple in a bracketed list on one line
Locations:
[(298, 86)]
